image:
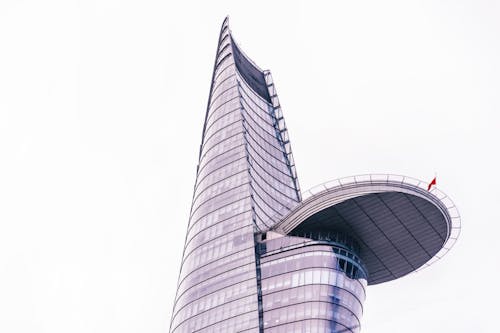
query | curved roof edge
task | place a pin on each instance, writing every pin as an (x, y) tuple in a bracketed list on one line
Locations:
[(253, 75), (334, 192)]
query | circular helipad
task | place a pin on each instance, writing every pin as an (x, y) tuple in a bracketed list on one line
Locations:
[(399, 225)]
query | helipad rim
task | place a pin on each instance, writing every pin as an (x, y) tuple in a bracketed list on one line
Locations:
[(444, 202)]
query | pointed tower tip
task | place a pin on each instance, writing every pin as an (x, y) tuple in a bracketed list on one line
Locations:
[(225, 22)]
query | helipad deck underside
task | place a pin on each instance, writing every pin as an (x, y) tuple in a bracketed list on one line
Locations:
[(399, 228)]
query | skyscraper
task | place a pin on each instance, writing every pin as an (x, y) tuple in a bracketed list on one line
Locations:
[(258, 255)]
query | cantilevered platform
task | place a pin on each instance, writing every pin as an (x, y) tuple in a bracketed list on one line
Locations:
[(400, 225)]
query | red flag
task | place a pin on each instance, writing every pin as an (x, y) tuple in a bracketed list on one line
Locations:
[(433, 182)]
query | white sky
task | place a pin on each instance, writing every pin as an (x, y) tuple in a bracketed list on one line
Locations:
[(101, 112)]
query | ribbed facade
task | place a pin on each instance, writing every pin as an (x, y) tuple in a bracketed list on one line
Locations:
[(245, 182)]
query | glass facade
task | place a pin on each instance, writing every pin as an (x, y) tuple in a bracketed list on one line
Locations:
[(236, 274), (245, 181), (311, 285)]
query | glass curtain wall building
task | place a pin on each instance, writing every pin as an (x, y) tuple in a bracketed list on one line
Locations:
[(258, 256)]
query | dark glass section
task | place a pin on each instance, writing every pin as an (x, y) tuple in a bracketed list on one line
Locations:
[(252, 75)]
